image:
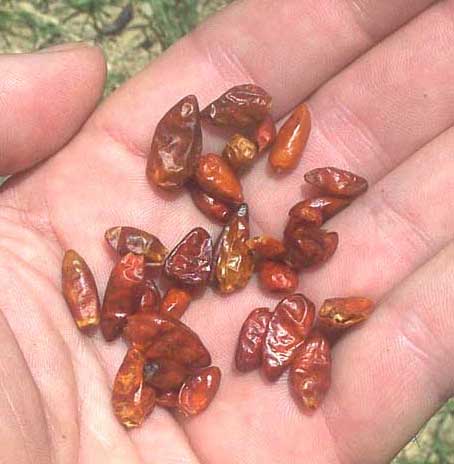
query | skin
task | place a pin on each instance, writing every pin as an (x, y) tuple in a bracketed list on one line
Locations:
[(370, 115)]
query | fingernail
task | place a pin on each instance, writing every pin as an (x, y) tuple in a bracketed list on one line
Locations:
[(64, 47)]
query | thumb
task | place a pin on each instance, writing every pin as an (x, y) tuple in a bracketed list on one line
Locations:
[(45, 97)]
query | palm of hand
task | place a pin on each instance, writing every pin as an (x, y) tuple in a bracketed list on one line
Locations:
[(61, 406)]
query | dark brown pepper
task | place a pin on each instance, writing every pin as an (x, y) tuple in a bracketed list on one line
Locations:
[(176, 146), (239, 107), (190, 261)]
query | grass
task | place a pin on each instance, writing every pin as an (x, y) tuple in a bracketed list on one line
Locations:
[(132, 33)]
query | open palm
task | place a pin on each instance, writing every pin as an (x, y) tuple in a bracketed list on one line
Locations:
[(378, 79)]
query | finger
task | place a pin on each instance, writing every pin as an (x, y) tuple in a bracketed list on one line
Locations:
[(370, 118), (23, 428), (397, 369), (44, 101), (254, 41)]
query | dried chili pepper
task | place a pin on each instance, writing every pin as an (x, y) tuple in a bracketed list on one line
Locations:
[(210, 206), (168, 399), (132, 400), (123, 293), (335, 181), (264, 134), (126, 240), (278, 277), (190, 261), (164, 337), (310, 371), (250, 342), (175, 302), (164, 374), (239, 107), (308, 246), (150, 299), (217, 178), (198, 391), (316, 211), (176, 146), (342, 313), (266, 247), (289, 325), (234, 263), (240, 152), (302, 214), (291, 140), (79, 291)]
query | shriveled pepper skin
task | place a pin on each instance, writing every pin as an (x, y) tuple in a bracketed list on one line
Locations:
[(80, 291), (278, 277), (175, 302), (190, 261), (291, 141), (198, 391), (289, 325), (132, 400), (176, 146), (308, 246), (337, 182), (168, 400), (265, 246), (240, 152), (212, 207), (123, 293), (264, 134), (310, 372), (234, 263), (250, 342), (315, 211), (239, 107), (164, 337), (150, 299), (165, 374), (126, 240), (216, 177), (342, 313), (305, 215)]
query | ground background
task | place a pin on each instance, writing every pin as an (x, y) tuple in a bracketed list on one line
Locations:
[(132, 33)]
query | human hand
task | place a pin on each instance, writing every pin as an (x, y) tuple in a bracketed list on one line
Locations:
[(383, 111)]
